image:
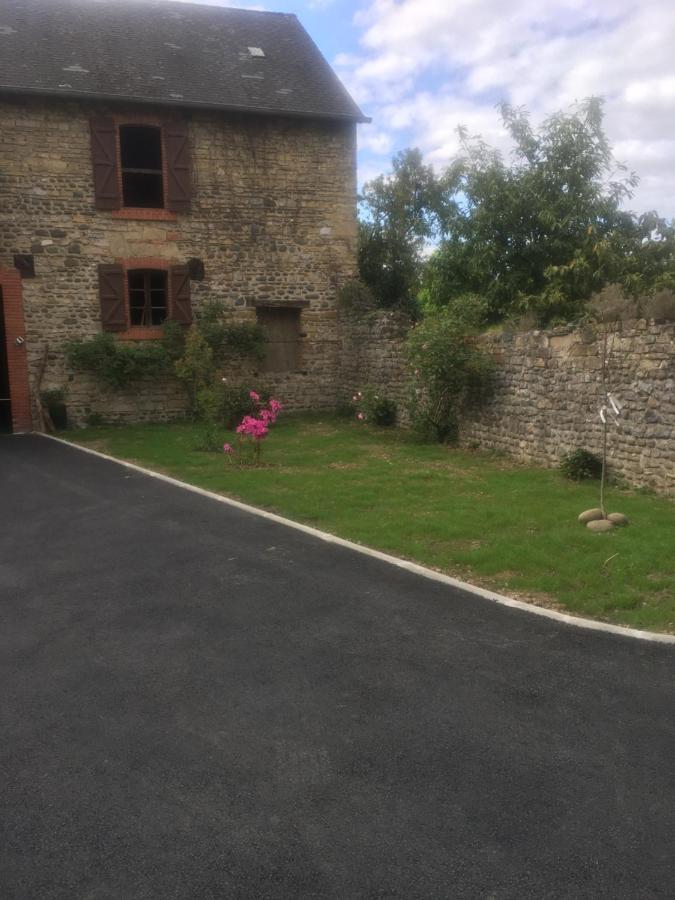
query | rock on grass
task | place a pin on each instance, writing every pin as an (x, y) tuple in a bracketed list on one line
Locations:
[(600, 525), (618, 519), (590, 515)]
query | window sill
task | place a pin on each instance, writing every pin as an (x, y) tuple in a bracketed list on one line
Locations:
[(144, 214), (141, 333)]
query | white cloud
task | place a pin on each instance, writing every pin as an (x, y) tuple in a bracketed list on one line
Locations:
[(378, 142), (424, 66)]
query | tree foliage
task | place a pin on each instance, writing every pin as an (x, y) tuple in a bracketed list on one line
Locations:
[(539, 233), (401, 214)]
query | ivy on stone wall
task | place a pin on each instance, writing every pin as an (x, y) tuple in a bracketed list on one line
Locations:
[(209, 345), (116, 364)]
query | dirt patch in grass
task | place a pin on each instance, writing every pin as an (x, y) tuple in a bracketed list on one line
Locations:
[(466, 544)]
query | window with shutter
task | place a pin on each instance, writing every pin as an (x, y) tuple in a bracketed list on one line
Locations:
[(282, 329), (141, 166), (112, 297), (181, 304), (104, 161)]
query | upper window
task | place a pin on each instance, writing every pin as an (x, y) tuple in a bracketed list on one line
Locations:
[(147, 296), (141, 159), (139, 168)]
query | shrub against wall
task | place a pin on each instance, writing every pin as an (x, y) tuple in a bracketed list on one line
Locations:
[(194, 355), (116, 364), (450, 371)]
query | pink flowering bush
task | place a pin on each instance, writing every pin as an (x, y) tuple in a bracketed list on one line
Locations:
[(371, 407), (253, 429)]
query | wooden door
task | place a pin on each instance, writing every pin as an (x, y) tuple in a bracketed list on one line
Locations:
[(15, 410)]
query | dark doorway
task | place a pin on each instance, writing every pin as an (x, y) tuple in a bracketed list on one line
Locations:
[(5, 402)]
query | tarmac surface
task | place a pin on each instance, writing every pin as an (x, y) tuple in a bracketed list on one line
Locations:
[(199, 703)]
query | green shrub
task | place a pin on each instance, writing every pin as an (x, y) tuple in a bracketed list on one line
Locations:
[(580, 465), (230, 340), (236, 403), (226, 404), (451, 372), (53, 395), (206, 436), (382, 412), (195, 368), (118, 364), (344, 409), (372, 407)]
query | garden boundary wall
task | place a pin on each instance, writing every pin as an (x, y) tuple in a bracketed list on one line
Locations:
[(547, 390)]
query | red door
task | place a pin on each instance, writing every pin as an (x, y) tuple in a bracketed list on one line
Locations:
[(15, 412)]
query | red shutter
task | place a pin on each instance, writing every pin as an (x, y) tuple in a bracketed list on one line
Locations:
[(177, 147), (112, 298), (181, 307), (104, 160)]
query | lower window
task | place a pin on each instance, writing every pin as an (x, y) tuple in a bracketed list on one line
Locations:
[(147, 296), (282, 329)]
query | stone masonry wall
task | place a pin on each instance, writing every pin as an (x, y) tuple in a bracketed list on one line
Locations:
[(273, 218), (372, 354), (547, 391)]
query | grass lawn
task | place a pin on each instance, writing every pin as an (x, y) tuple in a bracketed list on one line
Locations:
[(475, 515)]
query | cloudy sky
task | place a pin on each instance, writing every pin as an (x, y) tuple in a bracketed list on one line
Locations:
[(421, 67)]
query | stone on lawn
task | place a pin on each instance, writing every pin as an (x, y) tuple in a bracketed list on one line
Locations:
[(590, 515), (618, 519), (600, 525)]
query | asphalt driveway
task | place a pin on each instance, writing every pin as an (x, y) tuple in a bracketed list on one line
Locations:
[(198, 703)]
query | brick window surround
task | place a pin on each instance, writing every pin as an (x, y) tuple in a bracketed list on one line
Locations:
[(137, 212), (19, 390), (144, 332)]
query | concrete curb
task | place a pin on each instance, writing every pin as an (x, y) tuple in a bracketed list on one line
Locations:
[(576, 621)]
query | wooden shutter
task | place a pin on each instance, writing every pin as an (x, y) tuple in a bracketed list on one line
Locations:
[(112, 297), (104, 160), (282, 329), (181, 307), (177, 147)]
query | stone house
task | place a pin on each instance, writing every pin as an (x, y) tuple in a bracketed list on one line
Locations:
[(155, 156)]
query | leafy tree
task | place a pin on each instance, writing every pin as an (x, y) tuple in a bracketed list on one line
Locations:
[(401, 213), (547, 230)]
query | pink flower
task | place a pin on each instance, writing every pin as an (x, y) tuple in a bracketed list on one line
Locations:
[(227, 448), (255, 397), (275, 406), (255, 428), (360, 416)]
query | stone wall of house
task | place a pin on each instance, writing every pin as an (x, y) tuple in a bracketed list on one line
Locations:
[(273, 218), (547, 390)]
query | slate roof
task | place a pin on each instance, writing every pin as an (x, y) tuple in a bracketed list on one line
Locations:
[(168, 53)]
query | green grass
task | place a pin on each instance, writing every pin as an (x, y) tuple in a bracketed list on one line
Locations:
[(475, 515)]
